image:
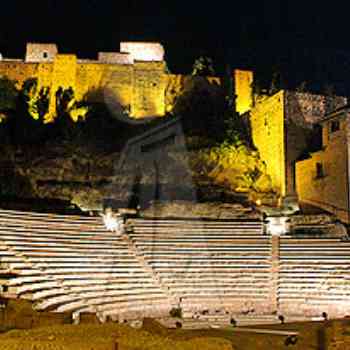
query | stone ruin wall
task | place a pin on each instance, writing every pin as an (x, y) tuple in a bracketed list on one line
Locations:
[(306, 108), (149, 89), (243, 81), (108, 82), (142, 88), (41, 52), (329, 191), (138, 88), (143, 51), (281, 125), (18, 70), (302, 111), (268, 136), (115, 58)]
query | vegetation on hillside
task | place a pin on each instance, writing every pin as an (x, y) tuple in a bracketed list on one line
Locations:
[(218, 143)]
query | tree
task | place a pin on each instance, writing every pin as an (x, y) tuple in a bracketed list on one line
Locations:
[(37, 100), (201, 104), (8, 97), (203, 66), (26, 125), (302, 87), (68, 106), (277, 81)]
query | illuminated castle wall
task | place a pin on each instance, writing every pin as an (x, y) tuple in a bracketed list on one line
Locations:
[(135, 80), (135, 77), (323, 177), (281, 125), (243, 90), (267, 127)]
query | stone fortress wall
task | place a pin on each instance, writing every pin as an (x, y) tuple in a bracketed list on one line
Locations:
[(133, 79), (323, 177), (281, 125), (267, 127), (41, 52)]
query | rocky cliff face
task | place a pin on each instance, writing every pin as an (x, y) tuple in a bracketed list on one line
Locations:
[(84, 176)]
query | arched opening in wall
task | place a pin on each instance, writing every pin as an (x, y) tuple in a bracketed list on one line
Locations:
[(45, 54)]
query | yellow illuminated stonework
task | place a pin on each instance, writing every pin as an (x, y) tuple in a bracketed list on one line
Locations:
[(137, 87), (243, 89), (267, 123), (135, 82)]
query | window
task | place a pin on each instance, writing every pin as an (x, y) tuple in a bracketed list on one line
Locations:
[(335, 125), (319, 170), (45, 54)]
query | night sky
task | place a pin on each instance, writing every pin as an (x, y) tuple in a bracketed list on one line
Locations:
[(304, 40)]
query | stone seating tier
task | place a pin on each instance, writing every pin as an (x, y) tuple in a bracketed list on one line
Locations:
[(66, 263)]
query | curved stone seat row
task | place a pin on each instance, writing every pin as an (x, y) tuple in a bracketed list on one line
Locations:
[(315, 275), (207, 264), (206, 228), (72, 264)]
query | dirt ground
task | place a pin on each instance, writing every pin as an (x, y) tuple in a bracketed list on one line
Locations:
[(312, 335), (102, 337)]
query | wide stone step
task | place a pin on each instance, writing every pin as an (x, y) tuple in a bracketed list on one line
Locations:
[(191, 221), (24, 249), (126, 303), (150, 307), (201, 239), (212, 279), (105, 289), (286, 283), (53, 228), (40, 246), (17, 241), (207, 258), (172, 255), (334, 247), (203, 302), (45, 217), (175, 246), (40, 266), (124, 282), (200, 228), (77, 260), (291, 241), (82, 241), (262, 273), (326, 299), (142, 283), (122, 254), (210, 236), (244, 232), (224, 287)]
